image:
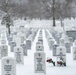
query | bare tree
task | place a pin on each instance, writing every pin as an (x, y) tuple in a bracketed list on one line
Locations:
[(6, 20)]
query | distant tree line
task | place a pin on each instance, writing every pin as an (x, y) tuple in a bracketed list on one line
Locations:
[(40, 8)]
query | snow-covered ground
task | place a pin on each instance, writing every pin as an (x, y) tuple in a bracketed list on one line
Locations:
[(28, 67)]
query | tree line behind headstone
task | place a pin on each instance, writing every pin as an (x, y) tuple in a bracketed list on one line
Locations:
[(40, 8)]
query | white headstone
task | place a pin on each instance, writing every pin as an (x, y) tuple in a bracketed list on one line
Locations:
[(71, 41), (18, 41), (3, 41), (68, 47), (9, 39), (14, 37), (40, 40), (74, 52), (62, 42), (55, 49), (75, 43), (12, 46), (39, 47), (61, 50), (61, 56), (39, 62), (22, 38), (3, 51), (19, 34), (19, 55), (13, 43), (3, 36), (24, 49), (28, 43), (8, 66), (51, 43)]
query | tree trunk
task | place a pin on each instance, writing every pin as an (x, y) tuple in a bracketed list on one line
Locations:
[(9, 30), (61, 21), (54, 13), (54, 21)]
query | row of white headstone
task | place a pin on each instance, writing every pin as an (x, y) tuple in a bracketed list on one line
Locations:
[(21, 47), (39, 56), (59, 50), (3, 45), (50, 40), (74, 50), (9, 64), (65, 45)]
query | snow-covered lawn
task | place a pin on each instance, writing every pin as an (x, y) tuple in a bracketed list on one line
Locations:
[(28, 67)]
